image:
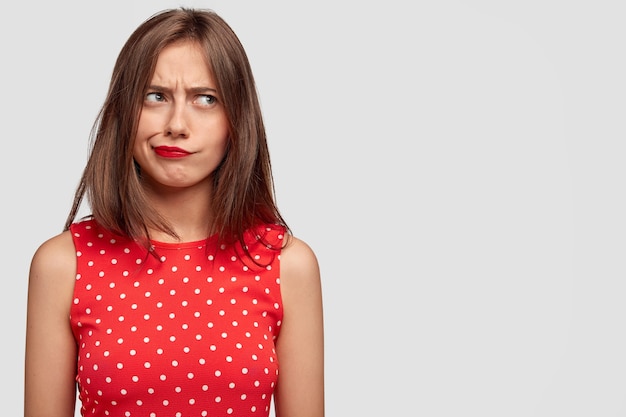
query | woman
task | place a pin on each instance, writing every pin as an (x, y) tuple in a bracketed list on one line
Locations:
[(184, 293)]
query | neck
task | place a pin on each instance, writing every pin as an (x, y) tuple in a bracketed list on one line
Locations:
[(187, 211)]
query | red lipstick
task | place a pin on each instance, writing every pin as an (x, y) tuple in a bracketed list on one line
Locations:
[(171, 152)]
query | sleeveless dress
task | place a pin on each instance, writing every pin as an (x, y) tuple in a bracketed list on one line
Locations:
[(188, 332)]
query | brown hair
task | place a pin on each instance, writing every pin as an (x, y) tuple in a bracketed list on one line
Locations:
[(243, 191)]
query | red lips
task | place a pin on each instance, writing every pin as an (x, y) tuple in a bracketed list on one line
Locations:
[(171, 152)]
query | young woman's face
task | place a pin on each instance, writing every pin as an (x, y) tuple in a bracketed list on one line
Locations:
[(183, 128)]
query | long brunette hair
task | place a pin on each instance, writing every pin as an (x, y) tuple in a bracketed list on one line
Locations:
[(243, 191)]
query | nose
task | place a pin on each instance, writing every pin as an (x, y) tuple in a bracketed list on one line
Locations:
[(177, 126)]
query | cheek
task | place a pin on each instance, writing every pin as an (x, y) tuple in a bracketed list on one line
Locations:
[(140, 145), (224, 144), (144, 131), (224, 133)]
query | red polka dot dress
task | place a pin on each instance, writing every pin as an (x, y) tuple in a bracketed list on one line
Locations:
[(190, 332)]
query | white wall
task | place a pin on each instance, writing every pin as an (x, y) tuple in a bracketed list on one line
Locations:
[(456, 165)]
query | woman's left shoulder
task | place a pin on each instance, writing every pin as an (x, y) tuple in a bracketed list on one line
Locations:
[(298, 262)]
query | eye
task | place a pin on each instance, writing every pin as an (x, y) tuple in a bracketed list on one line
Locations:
[(155, 97), (207, 100)]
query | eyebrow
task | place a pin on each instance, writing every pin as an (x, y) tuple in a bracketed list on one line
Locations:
[(194, 90)]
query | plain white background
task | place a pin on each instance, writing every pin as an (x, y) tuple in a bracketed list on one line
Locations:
[(456, 165)]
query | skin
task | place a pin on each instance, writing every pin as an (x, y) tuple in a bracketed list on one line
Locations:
[(183, 110)]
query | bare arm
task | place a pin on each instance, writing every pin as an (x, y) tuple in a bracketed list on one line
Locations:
[(300, 345), (50, 366)]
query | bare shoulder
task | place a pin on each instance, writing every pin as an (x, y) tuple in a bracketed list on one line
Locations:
[(299, 263), (54, 260), (50, 354), (300, 345)]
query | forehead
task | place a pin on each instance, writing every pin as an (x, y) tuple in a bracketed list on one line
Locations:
[(182, 61)]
